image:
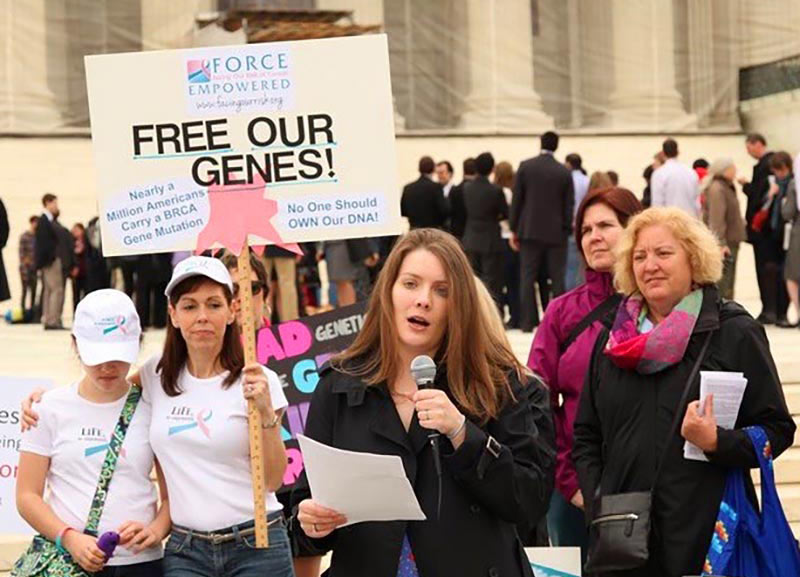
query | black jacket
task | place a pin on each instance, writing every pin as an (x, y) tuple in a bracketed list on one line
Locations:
[(424, 204), (486, 206), (46, 243), (756, 191), (483, 495), (458, 212), (5, 294), (624, 418), (65, 248), (541, 208)]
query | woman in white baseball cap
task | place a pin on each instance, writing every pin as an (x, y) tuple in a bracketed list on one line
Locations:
[(199, 387), (69, 453)]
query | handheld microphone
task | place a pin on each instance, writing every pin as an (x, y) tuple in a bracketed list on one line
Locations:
[(423, 371)]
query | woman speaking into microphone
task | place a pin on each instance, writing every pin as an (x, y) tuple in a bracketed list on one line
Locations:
[(496, 446)]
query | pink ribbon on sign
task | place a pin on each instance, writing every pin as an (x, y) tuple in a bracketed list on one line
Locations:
[(239, 210)]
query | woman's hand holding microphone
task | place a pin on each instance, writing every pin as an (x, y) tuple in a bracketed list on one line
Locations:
[(436, 411)]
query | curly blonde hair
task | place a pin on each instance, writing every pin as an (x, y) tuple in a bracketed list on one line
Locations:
[(696, 239)]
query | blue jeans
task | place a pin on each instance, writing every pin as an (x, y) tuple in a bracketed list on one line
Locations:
[(574, 275), (190, 556), (566, 525)]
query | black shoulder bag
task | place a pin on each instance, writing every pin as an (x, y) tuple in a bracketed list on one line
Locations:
[(597, 313), (619, 535)]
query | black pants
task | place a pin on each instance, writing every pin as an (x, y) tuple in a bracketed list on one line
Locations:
[(79, 290), (488, 266), (29, 287), (533, 255), (148, 569), (769, 258), (511, 280)]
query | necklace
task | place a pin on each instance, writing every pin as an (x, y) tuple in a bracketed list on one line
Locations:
[(407, 396)]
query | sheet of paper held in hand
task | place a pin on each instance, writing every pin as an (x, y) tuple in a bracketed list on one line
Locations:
[(728, 390), (361, 486)]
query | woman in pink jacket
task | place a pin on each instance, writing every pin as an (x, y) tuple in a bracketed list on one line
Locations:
[(563, 345)]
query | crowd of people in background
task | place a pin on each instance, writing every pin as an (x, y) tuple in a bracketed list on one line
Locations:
[(515, 226)]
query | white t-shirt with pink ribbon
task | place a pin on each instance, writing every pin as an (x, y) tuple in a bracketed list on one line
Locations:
[(74, 433), (201, 440)]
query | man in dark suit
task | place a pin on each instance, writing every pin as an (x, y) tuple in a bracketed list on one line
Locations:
[(486, 206), (423, 201), (47, 261), (541, 222), (772, 289), (458, 212)]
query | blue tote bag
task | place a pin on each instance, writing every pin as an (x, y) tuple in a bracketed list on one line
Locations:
[(746, 544)]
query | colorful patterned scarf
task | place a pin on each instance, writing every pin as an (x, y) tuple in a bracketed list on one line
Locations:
[(654, 351)]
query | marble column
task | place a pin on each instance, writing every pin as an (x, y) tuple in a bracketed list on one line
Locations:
[(501, 96), (366, 12), (701, 60), (575, 69), (644, 96), (35, 66), (726, 64)]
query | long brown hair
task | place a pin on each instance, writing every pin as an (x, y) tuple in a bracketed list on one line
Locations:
[(175, 353), (504, 175), (478, 368)]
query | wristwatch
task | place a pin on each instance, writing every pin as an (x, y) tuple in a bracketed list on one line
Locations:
[(272, 424)]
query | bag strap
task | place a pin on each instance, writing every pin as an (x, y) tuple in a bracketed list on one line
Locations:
[(763, 451), (680, 409), (596, 313), (110, 462)]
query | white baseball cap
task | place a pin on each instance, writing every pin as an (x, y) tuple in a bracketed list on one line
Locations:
[(200, 265), (106, 328)]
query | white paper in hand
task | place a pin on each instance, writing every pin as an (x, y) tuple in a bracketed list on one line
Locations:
[(361, 486), (728, 390)]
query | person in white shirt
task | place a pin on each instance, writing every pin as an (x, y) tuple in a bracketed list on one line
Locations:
[(674, 184), (580, 185), (65, 452), (199, 387)]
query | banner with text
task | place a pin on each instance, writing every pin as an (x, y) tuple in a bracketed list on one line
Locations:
[(13, 390), (294, 139), (296, 350)]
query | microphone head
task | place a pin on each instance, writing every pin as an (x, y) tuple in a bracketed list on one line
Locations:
[(423, 370)]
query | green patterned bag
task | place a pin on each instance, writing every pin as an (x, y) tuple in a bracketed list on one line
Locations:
[(43, 559)]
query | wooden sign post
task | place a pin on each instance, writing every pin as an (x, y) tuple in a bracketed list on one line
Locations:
[(253, 416)]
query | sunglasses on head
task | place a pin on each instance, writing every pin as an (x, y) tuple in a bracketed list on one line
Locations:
[(255, 287)]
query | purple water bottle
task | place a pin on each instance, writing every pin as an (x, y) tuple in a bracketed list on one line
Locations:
[(107, 542)]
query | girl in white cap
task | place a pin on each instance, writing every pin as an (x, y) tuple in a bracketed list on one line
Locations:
[(199, 387), (69, 450)]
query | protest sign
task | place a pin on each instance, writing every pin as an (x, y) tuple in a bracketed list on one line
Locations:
[(289, 142), (13, 390), (296, 350)]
